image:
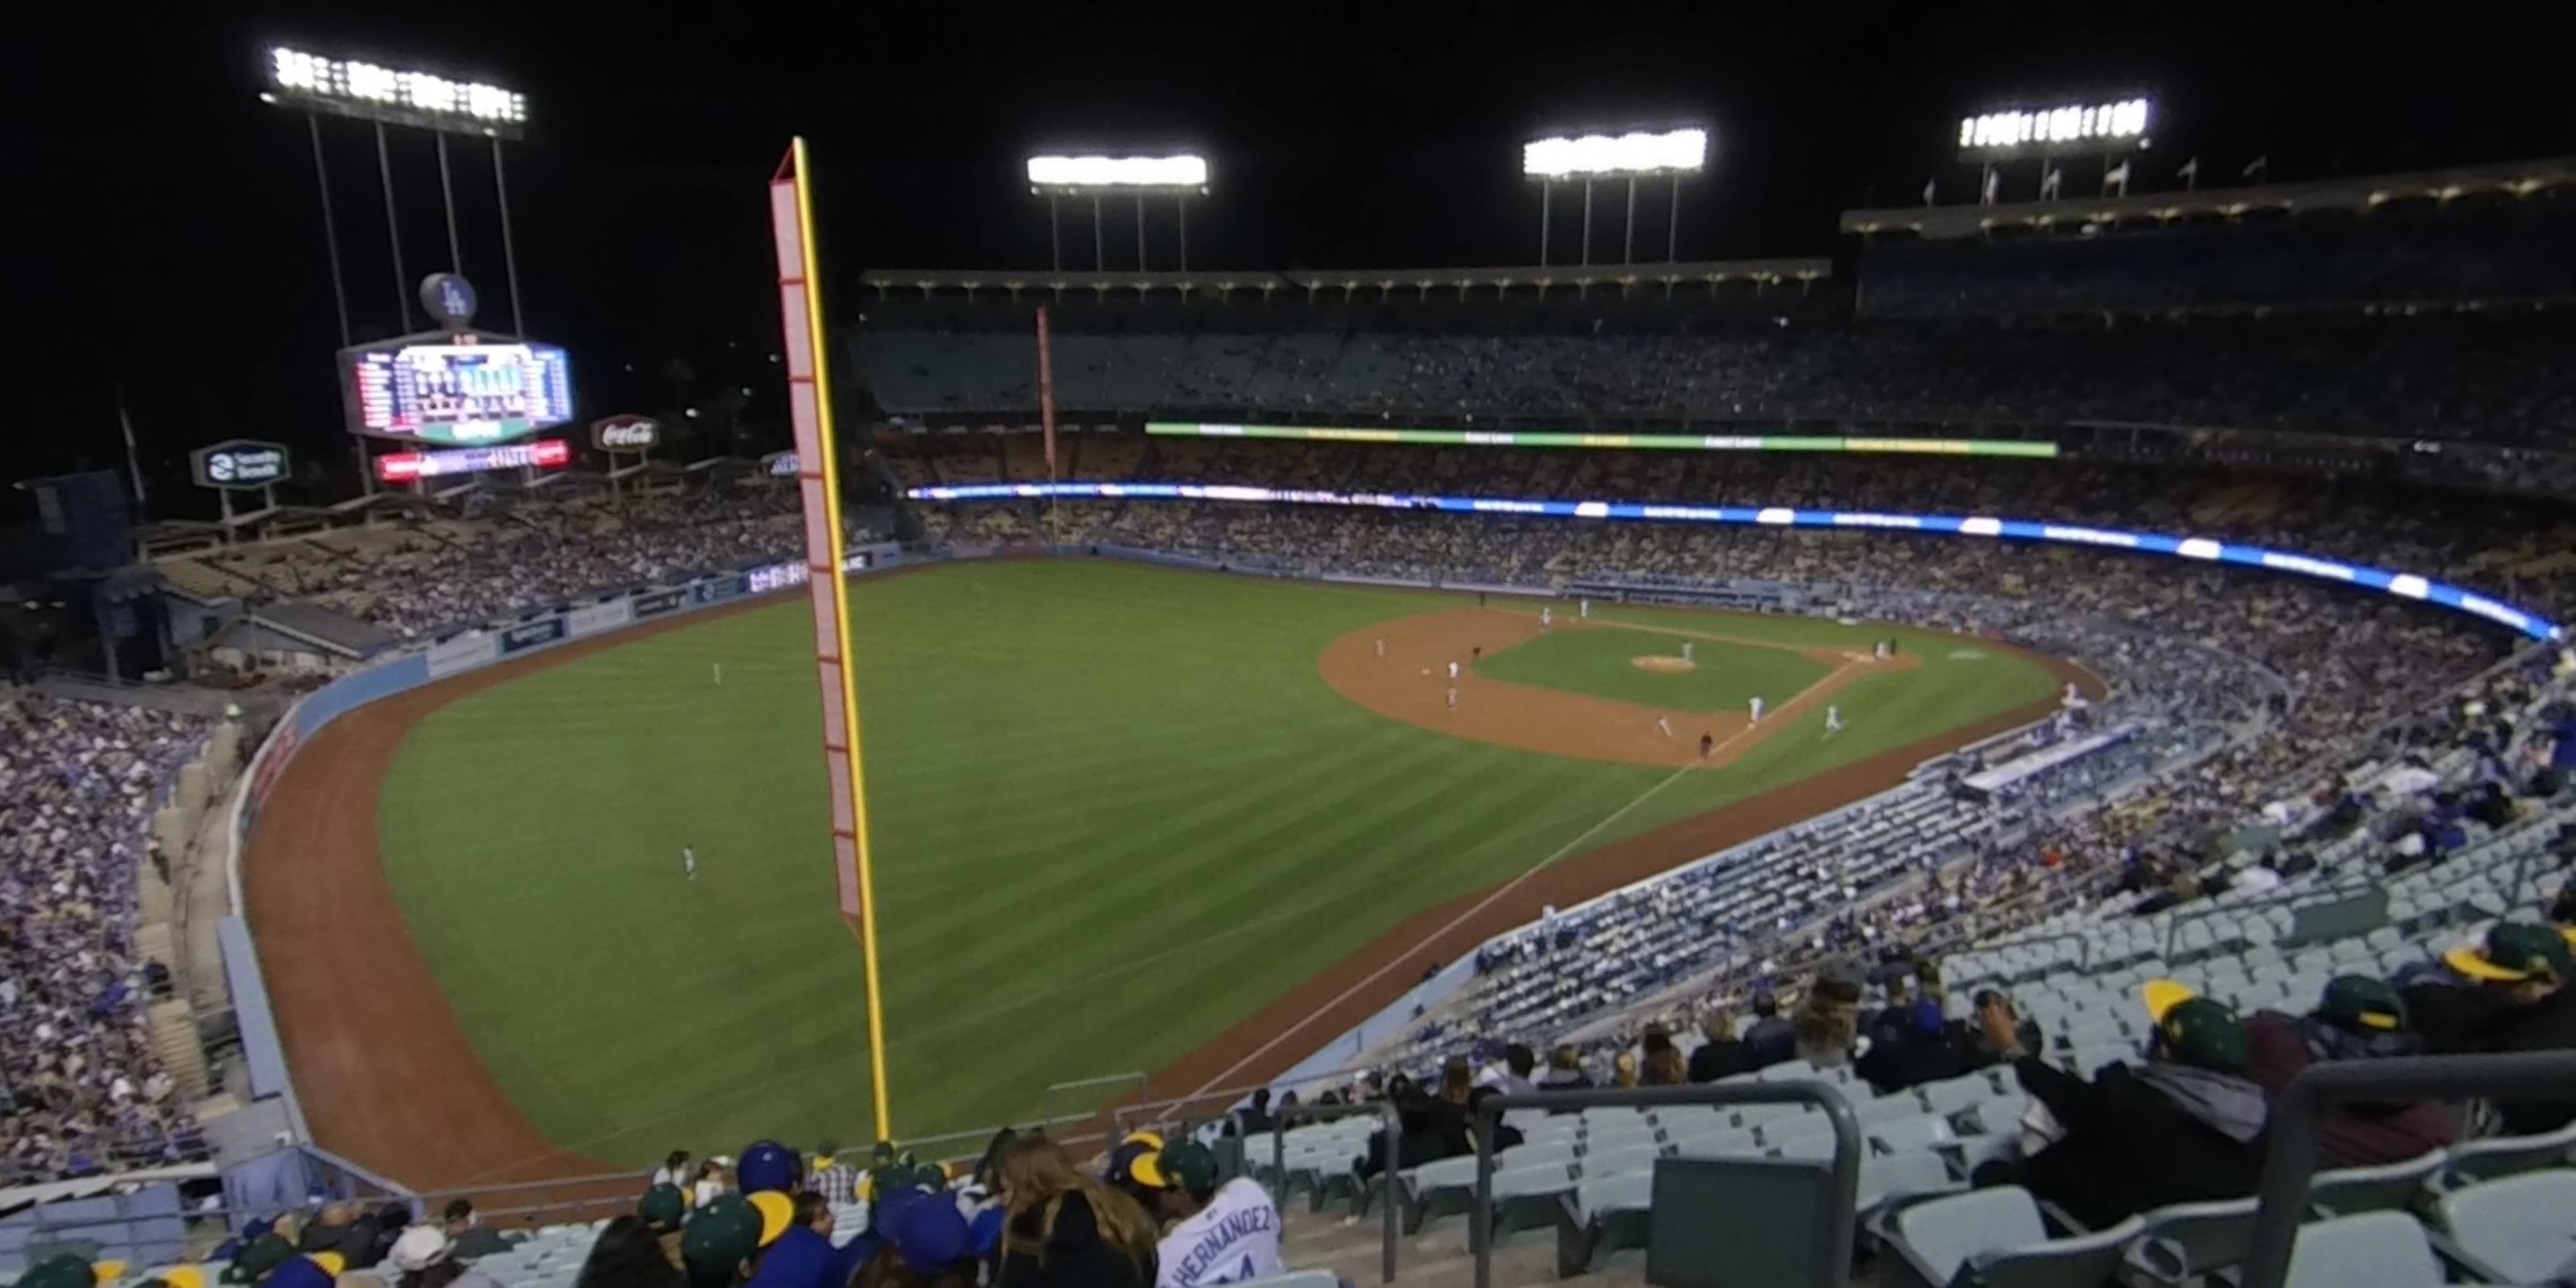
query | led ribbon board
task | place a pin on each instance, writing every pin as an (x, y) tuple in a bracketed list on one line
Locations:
[(2405, 585), (1626, 442)]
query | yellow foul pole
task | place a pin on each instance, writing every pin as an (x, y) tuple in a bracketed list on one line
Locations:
[(826, 550)]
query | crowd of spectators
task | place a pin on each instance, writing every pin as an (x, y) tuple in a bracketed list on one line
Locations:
[(421, 577), (2476, 377), (82, 1089)]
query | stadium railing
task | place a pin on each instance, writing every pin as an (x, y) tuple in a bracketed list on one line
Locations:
[(2298, 1125), (1831, 1257), (1391, 1132)]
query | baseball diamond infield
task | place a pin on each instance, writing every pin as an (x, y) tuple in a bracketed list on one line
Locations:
[(1126, 818)]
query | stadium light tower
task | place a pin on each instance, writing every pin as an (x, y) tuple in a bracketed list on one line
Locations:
[(2109, 126), (1179, 175), (1633, 156), (318, 85)]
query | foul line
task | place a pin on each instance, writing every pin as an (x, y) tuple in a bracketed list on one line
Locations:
[(1403, 958)]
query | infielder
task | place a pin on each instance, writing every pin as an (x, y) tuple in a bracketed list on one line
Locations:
[(1665, 725), (1833, 720), (1453, 697), (689, 861), (1546, 617), (1381, 648), (1453, 673), (1686, 650), (1757, 708)]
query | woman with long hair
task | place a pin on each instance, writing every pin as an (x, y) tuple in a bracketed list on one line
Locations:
[(627, 1254), (1062, 1229)]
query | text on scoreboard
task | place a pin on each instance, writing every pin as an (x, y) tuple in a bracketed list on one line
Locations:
[(461, 394)]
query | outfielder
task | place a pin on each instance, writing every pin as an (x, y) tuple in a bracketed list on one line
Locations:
[(1757, 708), (1546, 617), (1686, 650), (689, 861), (1833, 720), (719, 675)]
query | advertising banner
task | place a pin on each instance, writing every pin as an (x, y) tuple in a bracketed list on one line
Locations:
[(592, 618), (625, 433), (463, 653), (654, 603), (239, 463), (716, 590), (528, 635)]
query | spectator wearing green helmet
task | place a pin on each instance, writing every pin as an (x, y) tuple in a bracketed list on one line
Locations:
[(2359, 1018), (2184, 1126), (2511, 994)]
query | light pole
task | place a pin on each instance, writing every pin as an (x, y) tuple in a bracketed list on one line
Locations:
[(1633, 156), (317, 85), (1180, 176)]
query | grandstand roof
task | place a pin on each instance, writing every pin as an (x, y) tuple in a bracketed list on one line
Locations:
[(2354, 196), (1354, 280)]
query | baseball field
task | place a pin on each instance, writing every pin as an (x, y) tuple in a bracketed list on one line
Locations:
[(1125, 819)]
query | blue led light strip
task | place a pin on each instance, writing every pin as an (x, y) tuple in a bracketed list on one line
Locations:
[(2404, 585)]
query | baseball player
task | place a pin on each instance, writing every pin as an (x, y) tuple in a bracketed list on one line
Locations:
[(719, 675), (1546, 617), (1584, 607), (1221, 1234), (1686, 650), (1664, 724), (1381, 648), (1833, 720), (689, 861), (1453, 672), (1707, 744), (1453, 697), (1757, 708)]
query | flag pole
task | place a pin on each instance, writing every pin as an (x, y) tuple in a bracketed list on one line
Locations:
[(809, 388)]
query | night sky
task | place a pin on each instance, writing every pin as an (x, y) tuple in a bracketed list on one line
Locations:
[(175, 245)]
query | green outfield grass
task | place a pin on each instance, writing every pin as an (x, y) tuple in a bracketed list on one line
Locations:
[(1601, 662), (1110, 802)]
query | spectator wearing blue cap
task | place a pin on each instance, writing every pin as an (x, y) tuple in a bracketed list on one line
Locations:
[(802, 1255)]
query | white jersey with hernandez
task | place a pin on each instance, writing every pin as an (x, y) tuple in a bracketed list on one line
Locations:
[(1235, 1238)]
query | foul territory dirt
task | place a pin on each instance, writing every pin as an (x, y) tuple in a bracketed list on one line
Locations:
[(387, 1078)]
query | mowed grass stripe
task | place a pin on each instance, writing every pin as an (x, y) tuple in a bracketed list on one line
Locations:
[(1115, 810)]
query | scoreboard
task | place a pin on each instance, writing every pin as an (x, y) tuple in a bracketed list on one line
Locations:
[(461, 391)]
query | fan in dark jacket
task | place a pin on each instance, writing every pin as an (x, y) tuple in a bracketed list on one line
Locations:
[(1720, 1055), (1928, 1049), (2186, 1126), (1771, 1039), (2359, 1019), (2514, 997), (1431, 1132)]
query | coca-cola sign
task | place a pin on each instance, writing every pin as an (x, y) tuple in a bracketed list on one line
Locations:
[(625, 433)]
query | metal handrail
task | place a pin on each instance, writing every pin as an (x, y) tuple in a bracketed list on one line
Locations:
[(1393, 1126), (2298, 1123), (1823, 1095)]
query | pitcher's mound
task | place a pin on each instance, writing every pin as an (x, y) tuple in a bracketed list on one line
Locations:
[(1663, 665)]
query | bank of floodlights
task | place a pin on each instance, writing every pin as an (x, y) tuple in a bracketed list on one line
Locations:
[(1590, 158), (1178, 175)]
